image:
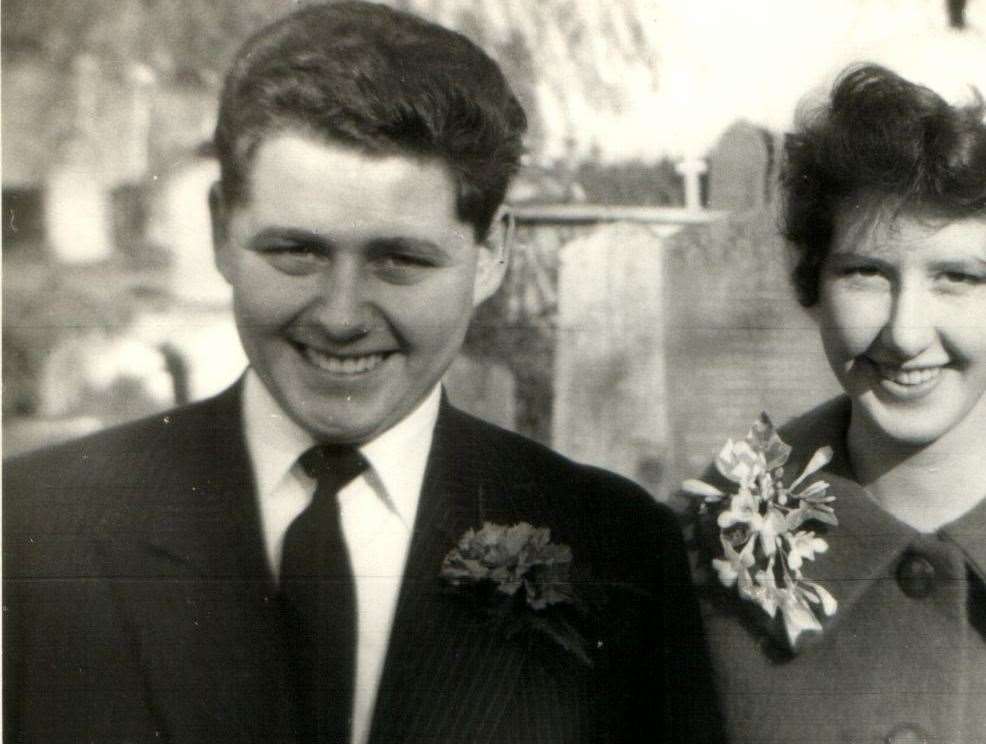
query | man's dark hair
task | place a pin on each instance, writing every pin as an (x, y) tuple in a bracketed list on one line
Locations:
[(380, 80), (879, 135)]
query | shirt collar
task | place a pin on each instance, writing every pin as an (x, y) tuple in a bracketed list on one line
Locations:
[(397, 457)]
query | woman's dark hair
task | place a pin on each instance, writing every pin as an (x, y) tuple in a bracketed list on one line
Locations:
[(882, 135), (383, 81)]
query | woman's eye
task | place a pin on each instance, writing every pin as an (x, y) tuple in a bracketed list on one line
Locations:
[(960, 277), (859, 271)]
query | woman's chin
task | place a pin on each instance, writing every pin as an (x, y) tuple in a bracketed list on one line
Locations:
[(914, 419)]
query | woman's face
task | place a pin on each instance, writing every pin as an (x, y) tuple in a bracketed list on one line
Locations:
[(903, 320)]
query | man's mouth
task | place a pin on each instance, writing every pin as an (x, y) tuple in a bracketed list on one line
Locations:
[(355, 364)]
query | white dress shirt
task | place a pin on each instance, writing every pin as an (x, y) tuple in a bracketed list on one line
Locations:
[(377, 511)]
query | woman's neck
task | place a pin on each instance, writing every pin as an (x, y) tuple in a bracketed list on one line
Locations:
[(925, 487)]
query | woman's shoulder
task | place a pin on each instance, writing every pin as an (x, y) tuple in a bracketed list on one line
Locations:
[(823, 425)]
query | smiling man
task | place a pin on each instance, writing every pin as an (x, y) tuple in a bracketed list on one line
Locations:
[(271, 565)]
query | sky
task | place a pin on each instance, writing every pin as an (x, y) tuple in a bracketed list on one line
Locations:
[(715, 61)]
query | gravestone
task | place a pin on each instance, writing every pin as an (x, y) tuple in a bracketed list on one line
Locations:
[(610, 392), (180, 223), (739, 169), (111, 378), (201, 339), (77, 215)]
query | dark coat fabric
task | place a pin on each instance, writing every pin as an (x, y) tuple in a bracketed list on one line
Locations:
[(139, 607), (902, 661)]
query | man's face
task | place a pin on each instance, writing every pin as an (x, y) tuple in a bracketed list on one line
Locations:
[(353, 281)]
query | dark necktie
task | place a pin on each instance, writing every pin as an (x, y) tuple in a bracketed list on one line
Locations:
[(318, 593)]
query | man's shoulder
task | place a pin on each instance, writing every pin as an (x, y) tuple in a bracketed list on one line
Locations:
[(116, 463), (540, 470), (529, 456), (149, 437)]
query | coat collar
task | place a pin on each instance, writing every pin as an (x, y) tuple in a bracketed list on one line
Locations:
[(869, 542)]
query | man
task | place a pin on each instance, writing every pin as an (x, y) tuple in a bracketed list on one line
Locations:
[(196, 577)]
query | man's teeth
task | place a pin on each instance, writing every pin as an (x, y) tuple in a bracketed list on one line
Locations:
[(910, 376), (350, 365)]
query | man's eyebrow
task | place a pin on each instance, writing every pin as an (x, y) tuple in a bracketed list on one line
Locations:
[(276, 232), (404, 242)]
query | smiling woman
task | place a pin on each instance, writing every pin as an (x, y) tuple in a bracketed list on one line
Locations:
[(886, 208), (903, 313)]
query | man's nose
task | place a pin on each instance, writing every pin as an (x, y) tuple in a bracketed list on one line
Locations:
[(343, 311), (910, 326)]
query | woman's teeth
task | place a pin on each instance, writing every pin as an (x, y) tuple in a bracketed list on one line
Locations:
[(910, 377), (349, 365)]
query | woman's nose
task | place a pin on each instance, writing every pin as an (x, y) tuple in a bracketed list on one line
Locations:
[(910, 327)]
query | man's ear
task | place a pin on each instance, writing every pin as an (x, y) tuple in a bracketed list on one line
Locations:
[(494, 255), (219, 216)]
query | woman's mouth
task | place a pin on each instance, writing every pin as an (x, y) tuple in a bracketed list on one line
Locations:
[(907, 383), (909, 377)]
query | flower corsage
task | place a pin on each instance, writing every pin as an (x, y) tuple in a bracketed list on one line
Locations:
[(759, 525), (521, 580)]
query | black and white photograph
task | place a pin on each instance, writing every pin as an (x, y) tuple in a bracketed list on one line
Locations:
[(491, 371)]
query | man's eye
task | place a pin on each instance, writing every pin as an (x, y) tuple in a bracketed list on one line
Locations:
[(402, 266), (293, 258), (403, 259), (289, 249)]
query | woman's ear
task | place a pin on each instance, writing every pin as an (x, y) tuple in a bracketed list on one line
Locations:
[(494, 256)]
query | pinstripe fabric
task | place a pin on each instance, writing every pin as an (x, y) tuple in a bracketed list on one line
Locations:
[(164, 626)]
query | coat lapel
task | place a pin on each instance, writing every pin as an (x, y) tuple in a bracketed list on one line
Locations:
[(190, 575), (448, 675)]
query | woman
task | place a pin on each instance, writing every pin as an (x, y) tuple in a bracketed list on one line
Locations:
[(886, 206)]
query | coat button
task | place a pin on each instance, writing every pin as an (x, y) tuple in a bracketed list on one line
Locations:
[(916, 576), (907, 733)]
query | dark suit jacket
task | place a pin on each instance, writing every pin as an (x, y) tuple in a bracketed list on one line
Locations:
[(139, 606)]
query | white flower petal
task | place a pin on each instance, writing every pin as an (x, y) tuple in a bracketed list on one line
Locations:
[(829, 603), (700, 488), (819, 460), (726, 571), (798, 618), (814, 490)]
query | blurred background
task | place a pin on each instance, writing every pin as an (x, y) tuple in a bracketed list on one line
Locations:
[(647, 314)]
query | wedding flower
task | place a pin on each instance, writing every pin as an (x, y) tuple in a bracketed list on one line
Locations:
[(521, 580), (512, 558), (763, 548)]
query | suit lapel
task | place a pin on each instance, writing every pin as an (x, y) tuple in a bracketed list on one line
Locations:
[(190, 574), (448, 676)]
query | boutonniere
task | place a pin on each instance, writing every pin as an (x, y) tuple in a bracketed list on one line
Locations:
[(764, 549), (520, 579)]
